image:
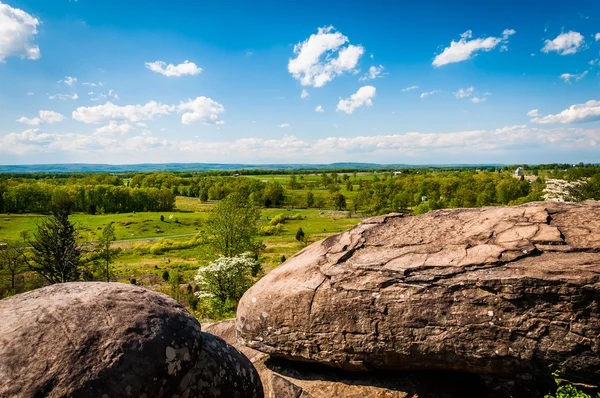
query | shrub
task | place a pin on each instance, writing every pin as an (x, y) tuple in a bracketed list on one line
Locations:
[(270, 229), (566, 390), (278, 219), (226, 278), (165, 245), (422, 208)]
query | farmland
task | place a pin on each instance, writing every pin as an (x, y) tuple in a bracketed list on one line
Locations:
[(137, 233), (163, 243)]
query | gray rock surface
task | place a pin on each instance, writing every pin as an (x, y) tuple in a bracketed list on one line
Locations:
[(505, 291), (113, 340)]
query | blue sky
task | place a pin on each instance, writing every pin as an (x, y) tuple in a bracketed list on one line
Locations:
[(385, 82)]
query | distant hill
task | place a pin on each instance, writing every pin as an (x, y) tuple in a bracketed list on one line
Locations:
[(148, 167)]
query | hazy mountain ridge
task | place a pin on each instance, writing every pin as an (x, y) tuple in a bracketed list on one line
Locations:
[(116, 168)]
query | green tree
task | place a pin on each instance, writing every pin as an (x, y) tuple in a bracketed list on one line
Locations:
[(338, 200), (232, 226), (11, 260), (24, 234), (174, 280), (106, 253), (165, 275), (301, 237), (583, 190), (55, 253), (310, 199), (293, 182)]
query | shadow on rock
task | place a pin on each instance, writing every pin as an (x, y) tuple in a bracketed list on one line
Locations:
[(322, 381)]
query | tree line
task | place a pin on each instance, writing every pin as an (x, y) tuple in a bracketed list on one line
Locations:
[(39, 197)]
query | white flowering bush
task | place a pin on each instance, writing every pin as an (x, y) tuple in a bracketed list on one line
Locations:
[(226, 278)]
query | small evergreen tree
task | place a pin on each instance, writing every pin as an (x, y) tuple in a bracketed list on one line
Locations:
[(300, 235), (55, 253), (165, 275)]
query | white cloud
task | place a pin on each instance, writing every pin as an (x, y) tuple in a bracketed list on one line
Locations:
[(319, 109), (51, 117), (284, 125), (30, 93), (568, 76), (597, 36), (593, 62), (508, 32), (186, 68), (201, 109), (17, 30), (36, 121), (428, 93), (101, 97), (578, 113), (482, 145), (109, 111), (315, 63), (36, 141), (64, 97), (68, 80), (363, 97), (114, 128), (464, 92), (464, 49), (565, 43), (92, 84), (44, 117), (533, 113), (477, 100), (511, 138), (304, 94), (410, 88), (373, 73)]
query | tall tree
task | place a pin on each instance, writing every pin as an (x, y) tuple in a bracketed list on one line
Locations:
[(55, 253), (12, 260), (106, 239), (232, 224)]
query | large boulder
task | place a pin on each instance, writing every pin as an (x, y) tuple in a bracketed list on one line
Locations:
[(283, 378), (505, 291), (113, 340)]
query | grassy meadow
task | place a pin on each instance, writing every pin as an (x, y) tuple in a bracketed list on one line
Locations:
[(139, 234)]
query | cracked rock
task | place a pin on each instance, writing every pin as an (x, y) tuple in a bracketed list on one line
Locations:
[(411, 293)]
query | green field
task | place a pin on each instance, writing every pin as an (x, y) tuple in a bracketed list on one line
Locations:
[(127, 226), (137, 233)]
